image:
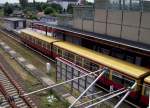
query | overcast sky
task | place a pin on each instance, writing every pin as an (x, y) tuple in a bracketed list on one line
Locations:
[(16, 1)]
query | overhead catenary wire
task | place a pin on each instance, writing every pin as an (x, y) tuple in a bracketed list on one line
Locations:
[(88, 88), (100, 97), (92, 94), (114, 95), (128, 90), (123, 98), (49, 87)]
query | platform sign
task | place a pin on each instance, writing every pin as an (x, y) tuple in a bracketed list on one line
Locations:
[(67, 71)]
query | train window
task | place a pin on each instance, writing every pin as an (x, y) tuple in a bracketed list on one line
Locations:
[(59, 52), (106, 75), (65, 54), (71, 57), (87, 64), (117, 54), (105, 51), (138, 60), (117, 78), (54, 49), (94, 66), (79, 60), (34, 40), (146, 91), (126, 82), (130, 59), (48, 46), (39, 42), (44, 44)]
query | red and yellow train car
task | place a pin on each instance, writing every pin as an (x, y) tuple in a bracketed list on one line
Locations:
[(38, 41), (121, 73), (144, 100)]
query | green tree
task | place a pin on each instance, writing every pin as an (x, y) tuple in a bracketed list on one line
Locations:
[(49, 10), (45, 5), (38, 6), (57, 7), (8, 9), (23, 3), (70, 9)]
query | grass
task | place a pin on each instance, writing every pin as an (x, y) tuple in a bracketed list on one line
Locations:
[(19, 70), (55, 104), (30, 82), (1, 12), (31, 56)]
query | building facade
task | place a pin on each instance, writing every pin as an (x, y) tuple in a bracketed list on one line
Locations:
[(63, 3), (14, 23)]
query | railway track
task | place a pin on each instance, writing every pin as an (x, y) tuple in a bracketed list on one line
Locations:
[(17, 39), (10, 93)]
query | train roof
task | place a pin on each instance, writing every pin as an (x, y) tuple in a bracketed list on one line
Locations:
[(38, 35), (114, 63), (147, 80)]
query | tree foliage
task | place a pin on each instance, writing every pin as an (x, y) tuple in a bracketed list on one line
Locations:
[(49, 10), (52, 9), (57, 7), (8, 9), (23, 3), (70, 9), (45, 5)]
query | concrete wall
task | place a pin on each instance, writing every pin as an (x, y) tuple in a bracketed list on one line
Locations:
[(100, 15), (131, 18), (100, 27), (129, 25), (88, 25), (77, 23), (114, 16), (145, 28), (130, 33), (113, 30), (145, 20), (145, 36)]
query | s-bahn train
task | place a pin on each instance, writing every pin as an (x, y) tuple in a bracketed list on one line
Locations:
[(121, 73), (118, 50)]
